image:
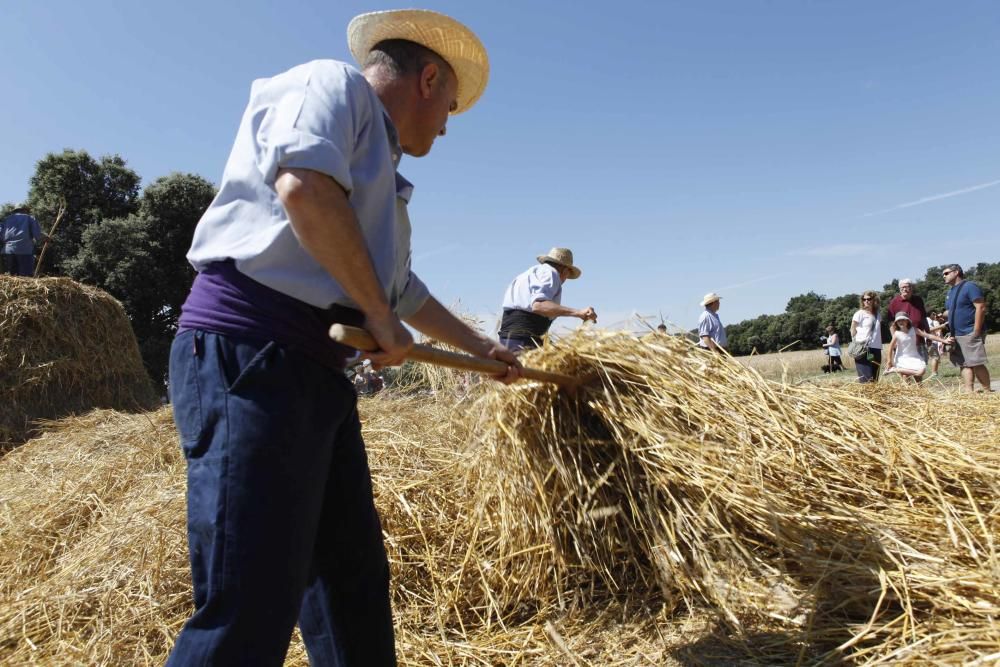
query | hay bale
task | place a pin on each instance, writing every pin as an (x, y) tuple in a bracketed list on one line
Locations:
[(679, 510), (65, 348)]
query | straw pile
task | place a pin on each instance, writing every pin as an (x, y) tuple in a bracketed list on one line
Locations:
[(679, 510), (64, 348)]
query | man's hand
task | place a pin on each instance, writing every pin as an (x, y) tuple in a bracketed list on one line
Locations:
[(587, 313), (514, 368), (393, 339)]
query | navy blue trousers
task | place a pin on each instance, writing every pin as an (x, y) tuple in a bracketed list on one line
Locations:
[(282, 525)]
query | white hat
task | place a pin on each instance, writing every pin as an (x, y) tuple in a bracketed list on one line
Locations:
[(711, 297), (442, 34), (901, 316), (367, 362), (563, 257)]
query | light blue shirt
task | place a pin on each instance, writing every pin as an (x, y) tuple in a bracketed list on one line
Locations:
[(710, 325), (19, 232), (539, 283), (323, 116)]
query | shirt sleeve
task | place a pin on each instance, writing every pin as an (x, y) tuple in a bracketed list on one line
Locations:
[(542, 286), (704, 326), (313, 124), (414, 295), (974, 292)]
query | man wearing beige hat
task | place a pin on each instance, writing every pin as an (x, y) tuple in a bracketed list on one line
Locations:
[(534, 299), (711, 333), (309, 228)]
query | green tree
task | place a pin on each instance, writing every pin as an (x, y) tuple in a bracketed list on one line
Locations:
[(93, 190), (140, 260)]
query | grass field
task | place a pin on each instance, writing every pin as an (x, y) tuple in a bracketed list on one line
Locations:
[(803, 366)]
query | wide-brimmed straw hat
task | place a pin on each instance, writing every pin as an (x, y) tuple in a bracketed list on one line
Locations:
[(563, 257), (442, 34), (711, 297)]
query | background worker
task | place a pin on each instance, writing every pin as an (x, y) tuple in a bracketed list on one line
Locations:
[(19, 232), (966, 308), (711, 333), (309, 228), (533, 300)]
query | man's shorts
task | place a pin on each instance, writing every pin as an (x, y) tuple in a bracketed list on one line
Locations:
[(969, 351)]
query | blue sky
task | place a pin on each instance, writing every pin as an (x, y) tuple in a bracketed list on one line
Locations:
[(757, 149)]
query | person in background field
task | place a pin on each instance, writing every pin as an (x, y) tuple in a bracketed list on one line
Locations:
[(19, 232), (907, 360), (310, 227), (936, 326), (966, 308), (661, 329), (911, 304), (711, 333), (534, 299), (866, 328), (832, 347)]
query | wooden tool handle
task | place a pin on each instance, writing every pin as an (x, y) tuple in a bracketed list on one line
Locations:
[(360, 339)]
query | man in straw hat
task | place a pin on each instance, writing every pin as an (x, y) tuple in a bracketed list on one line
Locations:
[(711, 333), (309, 228), (533, 301)]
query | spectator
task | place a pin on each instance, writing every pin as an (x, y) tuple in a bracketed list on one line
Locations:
[(911, 304), (832, 347), (711, 333), (935, 325), (19, 232), (903, 357), (866, 338), (966, 307)]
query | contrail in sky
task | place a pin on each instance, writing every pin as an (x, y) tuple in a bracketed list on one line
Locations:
[(954, 193)]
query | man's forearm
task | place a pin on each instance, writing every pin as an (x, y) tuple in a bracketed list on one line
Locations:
[(552, 309), (325, 224), (436, 321), (979, 327)]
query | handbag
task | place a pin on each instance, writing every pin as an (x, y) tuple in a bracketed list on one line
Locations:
[(857, 348)]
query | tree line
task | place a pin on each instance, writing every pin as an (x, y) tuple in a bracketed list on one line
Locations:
[(806, 316), (128, 242), (132, 243)]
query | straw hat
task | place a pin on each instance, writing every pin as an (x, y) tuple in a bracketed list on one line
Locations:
[(711, 297), (563, 256), (442, 34), (902, 316)]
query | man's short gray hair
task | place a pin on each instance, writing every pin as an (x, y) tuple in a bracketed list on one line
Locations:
[(403, 57), (906, 281), (956, 267)]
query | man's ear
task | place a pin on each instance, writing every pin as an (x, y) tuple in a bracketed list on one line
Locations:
[(429, 76)]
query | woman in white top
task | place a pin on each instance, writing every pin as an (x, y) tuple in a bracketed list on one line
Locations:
[(907, 360), (867, 328)]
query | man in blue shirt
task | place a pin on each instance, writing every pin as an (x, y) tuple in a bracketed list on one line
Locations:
[(19, 232), (967, 318), (309, 227), (711, 333), (534, 299)]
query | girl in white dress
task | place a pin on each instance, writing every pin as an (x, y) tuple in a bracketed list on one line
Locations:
[(907, 360)]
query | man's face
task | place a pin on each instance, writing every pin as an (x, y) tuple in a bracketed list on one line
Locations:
[(437, 98), (906, 291), (950, 276), (714, 306)]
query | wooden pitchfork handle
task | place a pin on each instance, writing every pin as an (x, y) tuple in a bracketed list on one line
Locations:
[(360, 339)]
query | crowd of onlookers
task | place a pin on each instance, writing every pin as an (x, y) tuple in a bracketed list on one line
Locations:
[(918, 338)]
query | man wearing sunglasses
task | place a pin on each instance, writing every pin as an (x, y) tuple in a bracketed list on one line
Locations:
[(967, 318)]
